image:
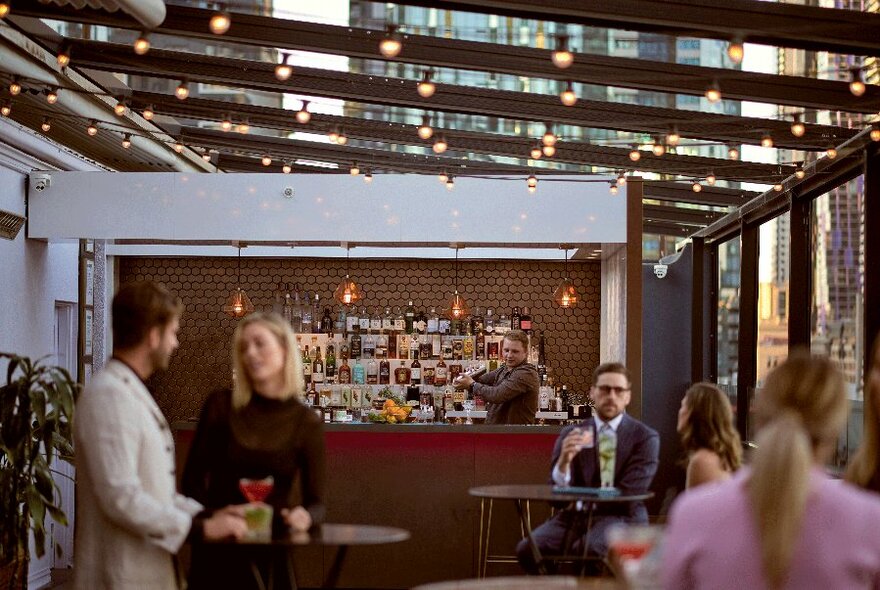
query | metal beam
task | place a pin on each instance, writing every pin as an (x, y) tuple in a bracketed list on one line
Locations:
[(450, 98), (710, 195), (783, 25), (398, 134), (437, 52), (679, 215)]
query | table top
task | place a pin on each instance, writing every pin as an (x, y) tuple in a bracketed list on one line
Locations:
[(545, 492), (525, 583), (334, 535)]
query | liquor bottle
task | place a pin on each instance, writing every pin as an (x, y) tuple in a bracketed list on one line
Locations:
[(421, 323), (542, 357), (364, 320), (314, 353), (441, 373), (352, 320), (415, 372), (467, 348), (428, 375), (525, 321), (409, 317), (372, 372), (433, 321), (287, 310), (476, 321), (368, 347), (327, 321), (457, 349), (424, 347), (444, 325), (313, 395), (356, 351), (454, 371), (545, 392), (316, 312), (384, 372), (387, 321), (358, 375), (392, 346), (402, 374), (330, 363), (480, 345), (490, 322), (414, 346), (436, 345), (446, 347), (307, 365), (296, 314), (502, 325), (306, 314), (382, 346), (344, 373), (344, 352), (515, 318), (340, 321), (376, 322), (318, 368), (399, 321)]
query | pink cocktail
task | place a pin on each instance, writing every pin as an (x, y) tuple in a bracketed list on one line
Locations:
[(257, 515), (256, 490)]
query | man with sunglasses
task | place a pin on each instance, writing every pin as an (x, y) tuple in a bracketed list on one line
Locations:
[(610, 446)]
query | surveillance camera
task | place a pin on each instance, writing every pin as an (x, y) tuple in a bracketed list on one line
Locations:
[(288, 192), (660, 270), (41, 181)]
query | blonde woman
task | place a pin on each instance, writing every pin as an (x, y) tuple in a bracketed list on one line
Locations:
[(864, 469), (712, 444), (258, 429), (781, 522)]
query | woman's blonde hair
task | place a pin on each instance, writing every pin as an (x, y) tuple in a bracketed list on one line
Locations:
[(800, 411), (710, 425), (864, 465), (294, 383)]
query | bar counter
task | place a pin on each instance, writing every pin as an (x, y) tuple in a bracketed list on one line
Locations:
[(416, 477)]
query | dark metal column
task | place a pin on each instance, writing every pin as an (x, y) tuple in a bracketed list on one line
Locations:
[(872, 250), (699, 327), (748, 325), (800, 285)]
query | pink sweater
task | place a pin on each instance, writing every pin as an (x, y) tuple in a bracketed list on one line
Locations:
[(711, 541)]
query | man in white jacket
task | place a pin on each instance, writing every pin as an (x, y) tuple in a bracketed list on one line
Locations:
[(130, 518)]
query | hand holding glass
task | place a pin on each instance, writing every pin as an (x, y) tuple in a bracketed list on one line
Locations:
[(257, 514)]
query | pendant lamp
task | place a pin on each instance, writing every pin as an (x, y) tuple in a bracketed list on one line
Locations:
[(347, 292), (458, 306), (239, 304), (565, 294)]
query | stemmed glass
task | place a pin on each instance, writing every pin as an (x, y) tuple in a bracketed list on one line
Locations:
[(635, 551), (468, 406), (257, 515)]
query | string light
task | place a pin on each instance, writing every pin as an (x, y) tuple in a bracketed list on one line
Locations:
[(562, 58), (142, 44), (450, 183), (735, 50), (568, 97), (243, 127), (220, 22), (354, 170), (621, 179), (284, 70), (831, 152), (46, 126), (659, 148), (226, 123), (799, 171), (4, 9), (613, 188), (673, 138), (856, 85), (797, 127), (733, 152), (177, 147), (549, 150), (710, 179), (368, 176), (440, 145), (14, 86), (6, 109), (536, 152), (767, 141), (778, 187), (126, 141), (342, 139), (875, 133), (532, 183), (390, 45), (713, 93), (303, 116), (425, 129), (286, 168), (182, 90), (443, 177), (267, 160), (63, 56), (52, 95), (696, 186), (207, 155), (92, 129), (333, 136), (120, 108), (148, 113), (634, 154), (549, 137), (426, 87)]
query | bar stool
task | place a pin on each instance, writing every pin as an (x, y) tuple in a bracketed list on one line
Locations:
[(486, 505)]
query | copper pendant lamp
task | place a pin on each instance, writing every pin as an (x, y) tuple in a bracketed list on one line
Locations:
[(347, 292), (458, 305), (238, 304), (565, 294)]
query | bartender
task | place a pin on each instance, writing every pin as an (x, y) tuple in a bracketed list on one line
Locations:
[(511, 391)]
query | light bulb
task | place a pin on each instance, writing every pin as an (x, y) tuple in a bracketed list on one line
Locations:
[(14, 87), (613, 188), (243, 127), (713, 93), (148, 113), (333, 136), (178, 147), (450, 184), (568, 97), (426, 87), (831, 153), (673, 138), (443, 177), (634, 154), (710, 179), (182, 90), (767, 141), (440, 145), (735, 51), (126, 141), (536, 152), (342, 139), (696, 187), (549, 138), (532, 181), (532, 189), (52, 96), (46, 126), (63, 58), (4, 9), (141, 44), (226, 124), (119, 109), (6, 109), (368, 177), (207, 156), (875, 134), (286, 168), (549, 150), (658, 148), (621, 179), (733, 153), (92, 129), (425, 129), (303, 116), (220, 22), (856, 85), (283, 71), (354, 170), (778, 187), (267, 160), (390, 45), (797, 127), (800, 172)]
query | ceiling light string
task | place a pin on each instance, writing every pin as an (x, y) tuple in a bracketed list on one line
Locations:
[(238, 304)]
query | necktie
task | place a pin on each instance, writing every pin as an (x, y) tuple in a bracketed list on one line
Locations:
[(607, 452)]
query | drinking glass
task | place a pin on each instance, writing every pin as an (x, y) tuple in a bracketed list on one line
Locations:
[(468, 406), (607, 454), (635, 552), (257, 514)]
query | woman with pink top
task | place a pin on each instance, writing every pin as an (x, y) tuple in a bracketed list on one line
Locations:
[(781, 522)]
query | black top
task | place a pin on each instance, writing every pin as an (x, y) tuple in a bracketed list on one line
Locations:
[(281, 438)]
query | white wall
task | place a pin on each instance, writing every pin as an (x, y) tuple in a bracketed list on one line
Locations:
[(612, 336)]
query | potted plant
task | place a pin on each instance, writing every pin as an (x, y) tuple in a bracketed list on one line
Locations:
[(36, 412)]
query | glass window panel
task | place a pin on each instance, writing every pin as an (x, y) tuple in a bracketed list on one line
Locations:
[(837, 298), (773, 273), (728, 317)]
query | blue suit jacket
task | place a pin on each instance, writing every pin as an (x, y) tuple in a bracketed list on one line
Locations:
[(634, 467)]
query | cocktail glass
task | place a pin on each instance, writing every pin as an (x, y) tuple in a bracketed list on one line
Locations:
[(468, 406), (257, 514), (635, 552)]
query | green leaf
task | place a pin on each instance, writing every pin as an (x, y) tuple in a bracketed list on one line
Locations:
[(57, 514)]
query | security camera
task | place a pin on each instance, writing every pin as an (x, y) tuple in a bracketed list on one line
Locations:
[(288, 192), (660, 270), (41, 181)]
